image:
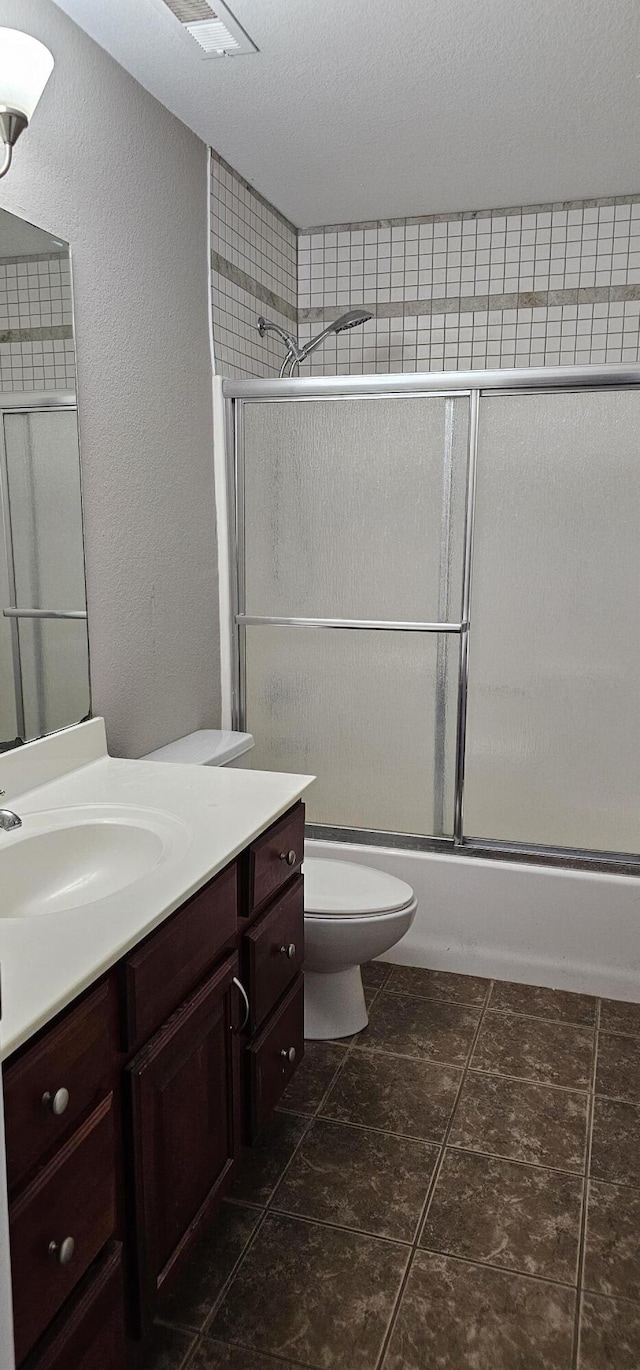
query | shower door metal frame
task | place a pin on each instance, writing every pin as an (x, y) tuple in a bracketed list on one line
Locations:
[(533, 380)]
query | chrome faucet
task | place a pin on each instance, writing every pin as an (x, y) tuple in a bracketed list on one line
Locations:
[(9, 820)]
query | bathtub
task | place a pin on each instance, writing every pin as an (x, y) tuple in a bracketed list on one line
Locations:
[(540, 925)]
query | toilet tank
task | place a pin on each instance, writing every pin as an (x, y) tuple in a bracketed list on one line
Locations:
[(208, 747)]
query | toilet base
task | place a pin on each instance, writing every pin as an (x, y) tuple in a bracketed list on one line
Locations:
[(334, 1004)]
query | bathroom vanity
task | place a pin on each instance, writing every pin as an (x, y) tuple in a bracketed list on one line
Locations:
[(127, 1107)]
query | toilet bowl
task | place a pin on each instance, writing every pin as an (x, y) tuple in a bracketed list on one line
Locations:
[(352, 914)]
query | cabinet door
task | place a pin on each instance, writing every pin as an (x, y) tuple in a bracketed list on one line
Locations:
[(185, 1115)]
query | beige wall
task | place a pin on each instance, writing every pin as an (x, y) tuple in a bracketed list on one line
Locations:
[(108, 168)]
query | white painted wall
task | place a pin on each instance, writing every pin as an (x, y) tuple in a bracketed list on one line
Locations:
[(533, 924), (109, 169)]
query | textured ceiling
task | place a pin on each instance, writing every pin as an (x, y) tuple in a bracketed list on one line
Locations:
[(360, 109)]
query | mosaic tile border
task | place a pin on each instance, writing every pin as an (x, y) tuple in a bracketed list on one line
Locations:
[(470, 304), (252, 286), (43, 334)]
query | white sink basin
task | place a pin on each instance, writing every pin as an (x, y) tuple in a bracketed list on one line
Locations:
[(65, 859)]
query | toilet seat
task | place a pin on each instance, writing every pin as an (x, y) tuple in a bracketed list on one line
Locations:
[(334, 889)]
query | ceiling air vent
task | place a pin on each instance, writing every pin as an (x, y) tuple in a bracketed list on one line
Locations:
[(216, 31)]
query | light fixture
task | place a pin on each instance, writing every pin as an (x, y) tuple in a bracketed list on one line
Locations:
[(25, 68)]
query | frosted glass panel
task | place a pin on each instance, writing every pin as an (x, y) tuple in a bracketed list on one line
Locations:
[(553, 745), (43, 479), (347, 505), (357, 709), (44, 551), (54, 655)]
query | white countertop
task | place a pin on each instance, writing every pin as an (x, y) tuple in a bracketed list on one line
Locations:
[(48, 959)]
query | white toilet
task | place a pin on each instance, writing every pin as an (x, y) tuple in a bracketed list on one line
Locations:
[(352, 913)]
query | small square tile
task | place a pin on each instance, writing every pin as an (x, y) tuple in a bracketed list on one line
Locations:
[(262, 1164), (521, 1122), (532, 1049), (609, 1334), (615, 1146), (421, 1028), (460, 1316), (400, 1096), (556, 1005), (437, 984), (612, 1261), (617, 1016), (210, 1266), (360, 1179), (618, 1068), (312, 1294), (517, 1216), (318, 1068)]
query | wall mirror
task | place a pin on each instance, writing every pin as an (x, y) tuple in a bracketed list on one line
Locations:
[(44, 654)]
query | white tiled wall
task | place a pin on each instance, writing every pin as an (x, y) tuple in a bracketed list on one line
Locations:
[(541, 285), (529, 287), (36, 324), (254, 271)]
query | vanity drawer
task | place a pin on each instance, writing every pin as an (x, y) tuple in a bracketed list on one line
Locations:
[(274, 951), (270, 1062), (90, 1332), (54, 1082), (275, 856), (73, 1197), (173, 960)]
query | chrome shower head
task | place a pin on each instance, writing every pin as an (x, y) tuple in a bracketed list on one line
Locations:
[(297, 354), (350, 320)]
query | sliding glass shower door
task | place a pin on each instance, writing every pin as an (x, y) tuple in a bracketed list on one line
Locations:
[(438, 602), (553, 737), (351, 520)]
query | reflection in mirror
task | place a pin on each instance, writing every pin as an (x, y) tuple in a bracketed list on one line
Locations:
[(44, 657)]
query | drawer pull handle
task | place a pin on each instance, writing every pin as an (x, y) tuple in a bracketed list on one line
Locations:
[(63, 1251), (288, 856), (289, 951), (247, 1010), (289, 1054), (58, 1102)]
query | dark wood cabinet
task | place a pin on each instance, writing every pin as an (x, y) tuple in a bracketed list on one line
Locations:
[(273, 1057), (274, 951), (185, 1114), (125, 1115), (54, 1082), (60, 1223), (174, 958), (273, 858), (91, 1333)]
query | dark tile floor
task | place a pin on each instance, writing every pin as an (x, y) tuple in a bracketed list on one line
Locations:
[(456, 1188)]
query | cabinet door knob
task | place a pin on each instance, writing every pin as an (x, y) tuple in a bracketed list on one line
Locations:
[(289, 1054), (288, 856), (289, 951), (58, 1102), (63, 1251)]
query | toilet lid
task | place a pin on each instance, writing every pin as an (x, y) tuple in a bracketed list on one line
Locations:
[(344, 887)]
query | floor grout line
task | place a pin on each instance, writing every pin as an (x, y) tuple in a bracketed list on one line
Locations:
[(431, 1188), (582, 1244)]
